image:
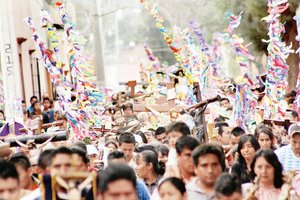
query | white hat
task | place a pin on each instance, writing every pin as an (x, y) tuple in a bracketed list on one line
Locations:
[(138, 138), (91, 149), (294, 128)]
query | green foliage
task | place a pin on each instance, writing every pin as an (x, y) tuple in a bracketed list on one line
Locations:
[(252, 28)]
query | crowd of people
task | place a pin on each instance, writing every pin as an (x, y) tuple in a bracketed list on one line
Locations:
[(133, 160)]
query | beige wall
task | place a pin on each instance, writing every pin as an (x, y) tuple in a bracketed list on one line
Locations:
[(23, 9)]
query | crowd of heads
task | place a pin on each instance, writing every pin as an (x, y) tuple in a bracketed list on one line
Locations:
[(166, 162)]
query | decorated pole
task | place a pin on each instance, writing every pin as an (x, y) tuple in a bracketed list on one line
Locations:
[(277, 69), (167, 35), (83, 77), (207, 51), (152, 69), (242, 53), (297, 19), (79, 98), (244, 97)]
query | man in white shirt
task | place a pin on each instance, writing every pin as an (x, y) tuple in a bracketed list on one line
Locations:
[(289, 155)]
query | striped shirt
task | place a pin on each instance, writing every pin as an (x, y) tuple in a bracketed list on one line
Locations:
[(288, 159)]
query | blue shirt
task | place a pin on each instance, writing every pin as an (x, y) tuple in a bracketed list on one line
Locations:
[(30, 109), (50, 114), (142, 191)]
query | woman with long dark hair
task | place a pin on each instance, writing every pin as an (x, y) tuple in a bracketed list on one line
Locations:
[(247, 147), (149, 169), (266, 165), (265, 137)]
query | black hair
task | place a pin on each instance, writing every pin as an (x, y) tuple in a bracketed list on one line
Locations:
[(221, 119), (151, 130), (8, 170), (81, 153), (20, 159), (290, 101), (35, 102), (127, 105), (142, 134), (115, 172), (293, 93), (224, 99), (288, 95), (33, 97), (60, 150), (186, 142), (115, 155), (177, 74), (179, 127), (26, 112), (220, 125), (147, 147), (262, 128), (151, 157), (2, 111), (80, 144), (110, 110), (294, 113), (163, 149), (237, 131), (272, 159), (44, 157), (176, 182), (126, 138), (246, 138), (227, 184), (73, 98), (160, 130), (46, 99), (209, 148)]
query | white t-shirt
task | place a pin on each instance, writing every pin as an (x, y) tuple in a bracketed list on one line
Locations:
[(172, 157)]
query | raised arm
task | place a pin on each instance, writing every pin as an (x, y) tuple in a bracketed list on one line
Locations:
[(155, 112), (46, 142), (21, 144)]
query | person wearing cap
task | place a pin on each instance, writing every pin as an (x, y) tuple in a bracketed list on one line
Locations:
[(289, 155), (93, 155)]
